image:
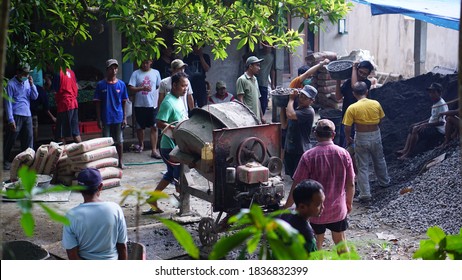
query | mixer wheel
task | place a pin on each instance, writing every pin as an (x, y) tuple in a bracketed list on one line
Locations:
[(207, 232), (251, 148)]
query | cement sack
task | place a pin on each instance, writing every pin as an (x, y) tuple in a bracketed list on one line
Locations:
[(104, 162), (40, 159), (54, 153), (89, 145), (24, 158), (62, 161), (110, 172), (65, 180), (66, 170), (94, 155), (68, 147), (111, 183)]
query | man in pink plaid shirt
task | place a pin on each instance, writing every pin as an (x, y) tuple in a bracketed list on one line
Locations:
[(332, 166)]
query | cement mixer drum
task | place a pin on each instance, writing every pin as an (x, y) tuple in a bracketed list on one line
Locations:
[(192, 134)]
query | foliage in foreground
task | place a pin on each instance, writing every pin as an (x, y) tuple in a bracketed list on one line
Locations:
[(25, 191), (440, 246)]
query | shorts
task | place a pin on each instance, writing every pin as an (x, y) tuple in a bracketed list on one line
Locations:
[(429, 132), (173, 171), (335, 227), (115, 131), (145, 117), (67, 124)]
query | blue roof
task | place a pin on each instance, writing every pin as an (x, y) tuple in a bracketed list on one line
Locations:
[(445, 13)]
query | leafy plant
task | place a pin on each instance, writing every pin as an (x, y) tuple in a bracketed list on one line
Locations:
[(440, 246), (24, 192)]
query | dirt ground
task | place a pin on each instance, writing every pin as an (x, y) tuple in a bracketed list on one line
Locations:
[(379, 242), (402, 102)]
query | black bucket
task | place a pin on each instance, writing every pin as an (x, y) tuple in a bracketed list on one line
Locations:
[(336, 117), (23, 250)]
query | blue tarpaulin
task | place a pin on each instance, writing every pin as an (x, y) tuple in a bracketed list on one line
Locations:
[(445, 13)]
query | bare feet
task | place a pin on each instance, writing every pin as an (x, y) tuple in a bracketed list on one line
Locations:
[(399, 152)]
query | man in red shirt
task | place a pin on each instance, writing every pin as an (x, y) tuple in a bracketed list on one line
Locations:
[(67, 119), (332, 166)]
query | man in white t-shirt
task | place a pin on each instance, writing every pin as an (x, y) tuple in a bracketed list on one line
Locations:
[(429, 128), (145, 83), (166, 86)]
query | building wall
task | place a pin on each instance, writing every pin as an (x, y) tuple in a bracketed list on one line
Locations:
[(390, 40)]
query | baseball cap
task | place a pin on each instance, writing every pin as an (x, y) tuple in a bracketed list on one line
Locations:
[(252, 60), (325, 125), (436, 86), (309, 91), (110, 62), (220, 84), (89, 177), (24, 67), (177, 63)]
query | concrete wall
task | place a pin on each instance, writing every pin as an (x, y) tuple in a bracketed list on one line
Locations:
[(390, 39)]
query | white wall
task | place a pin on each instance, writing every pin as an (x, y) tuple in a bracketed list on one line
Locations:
[(390, 39)]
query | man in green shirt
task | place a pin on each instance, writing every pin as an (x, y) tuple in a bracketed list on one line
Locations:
[(247, 87), (171, 112)]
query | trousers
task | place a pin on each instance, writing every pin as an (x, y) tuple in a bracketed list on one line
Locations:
[(368, 147)]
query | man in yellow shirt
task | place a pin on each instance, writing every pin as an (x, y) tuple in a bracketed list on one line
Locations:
[(366, 115)]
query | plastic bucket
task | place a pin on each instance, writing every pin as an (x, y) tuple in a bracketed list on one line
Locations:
[(340, 69), (23, 250), (136, 251), (336, 117)]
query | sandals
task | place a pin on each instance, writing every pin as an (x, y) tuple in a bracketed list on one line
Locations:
[(152, 212), (138, 149), (156, 155)]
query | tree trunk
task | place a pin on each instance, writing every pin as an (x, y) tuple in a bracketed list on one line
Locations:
[(4, 8)]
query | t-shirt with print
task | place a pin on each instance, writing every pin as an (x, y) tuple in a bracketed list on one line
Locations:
[(171, 110), (111, 96), (142, 78)]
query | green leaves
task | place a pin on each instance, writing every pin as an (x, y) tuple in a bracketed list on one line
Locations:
[(143, 25), (24, 191), (440, 246), (183, 237)]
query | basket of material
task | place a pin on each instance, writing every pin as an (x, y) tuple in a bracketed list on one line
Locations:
[(340, 69), (280, 96)]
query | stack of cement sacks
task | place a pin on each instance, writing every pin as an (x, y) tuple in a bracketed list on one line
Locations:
[(43, 161), (97, 153), (323, 82), (64, 162)]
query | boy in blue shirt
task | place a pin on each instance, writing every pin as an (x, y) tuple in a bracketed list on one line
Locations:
[(110, 97)]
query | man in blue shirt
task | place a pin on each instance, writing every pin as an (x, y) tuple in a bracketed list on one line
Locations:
[(20, 90), (97, 230), (110, 97)]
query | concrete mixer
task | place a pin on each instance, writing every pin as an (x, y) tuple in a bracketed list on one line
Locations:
[(227, 145)]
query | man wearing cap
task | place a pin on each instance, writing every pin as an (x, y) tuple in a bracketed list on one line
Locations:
[(221, 95), (366, 114), (331, 166), (299, 127), (361, 70), (434, 127), (198, 66), (67, 118), (166, 86), (97, 229), (20, 90), (247, 90), (110, 97), (144, 83)]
